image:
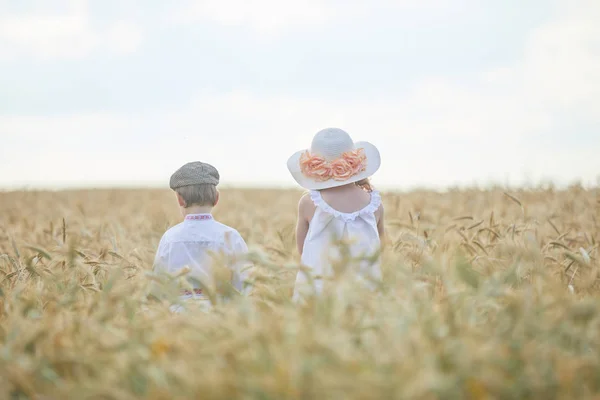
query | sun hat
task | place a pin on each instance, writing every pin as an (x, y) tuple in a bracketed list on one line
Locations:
[(333, 160), (194, 173)]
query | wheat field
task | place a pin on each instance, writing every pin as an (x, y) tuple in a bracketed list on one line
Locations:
[(487, 295)]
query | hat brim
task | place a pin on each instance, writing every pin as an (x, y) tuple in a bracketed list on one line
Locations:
[(373, 164)]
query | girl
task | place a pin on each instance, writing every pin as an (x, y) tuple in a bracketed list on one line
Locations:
[(341, 204)]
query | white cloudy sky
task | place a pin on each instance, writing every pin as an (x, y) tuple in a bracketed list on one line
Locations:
[(451, 91)]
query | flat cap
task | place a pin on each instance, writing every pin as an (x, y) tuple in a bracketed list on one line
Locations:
[(194, 173)]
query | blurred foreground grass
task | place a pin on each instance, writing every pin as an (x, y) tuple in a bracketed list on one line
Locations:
[(487, 295)]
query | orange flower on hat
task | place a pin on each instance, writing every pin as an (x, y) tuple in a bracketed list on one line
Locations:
[(348, 165), (341, 170), (315, 167)]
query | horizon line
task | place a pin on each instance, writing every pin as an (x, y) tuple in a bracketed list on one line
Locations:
[(155, 185)]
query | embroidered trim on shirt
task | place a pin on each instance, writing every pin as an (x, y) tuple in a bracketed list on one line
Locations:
[(198, 217), (197, 292)]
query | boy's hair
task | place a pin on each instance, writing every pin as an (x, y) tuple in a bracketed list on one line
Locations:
[(203, 194)]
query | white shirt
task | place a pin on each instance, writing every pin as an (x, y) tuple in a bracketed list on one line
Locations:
[(190, 244), (327, 223)]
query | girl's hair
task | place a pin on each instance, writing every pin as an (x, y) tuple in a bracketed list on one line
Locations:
[(365, 184)]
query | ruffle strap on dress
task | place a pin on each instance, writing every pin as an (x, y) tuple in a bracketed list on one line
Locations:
[(373, 205)]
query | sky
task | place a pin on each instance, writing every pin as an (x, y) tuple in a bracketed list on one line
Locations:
[(452, 92)]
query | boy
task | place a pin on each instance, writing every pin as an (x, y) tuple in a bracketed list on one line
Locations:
[(190, 243)]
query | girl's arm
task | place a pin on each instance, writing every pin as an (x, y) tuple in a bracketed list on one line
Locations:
[(304, 210), (380, 223)]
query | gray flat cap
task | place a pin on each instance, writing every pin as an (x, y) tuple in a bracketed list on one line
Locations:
[(194, 173)]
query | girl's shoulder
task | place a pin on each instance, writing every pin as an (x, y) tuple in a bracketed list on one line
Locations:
[(306, 206), (306, 199)]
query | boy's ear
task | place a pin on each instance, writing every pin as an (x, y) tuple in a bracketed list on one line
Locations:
[(217, 198), (180, 200)]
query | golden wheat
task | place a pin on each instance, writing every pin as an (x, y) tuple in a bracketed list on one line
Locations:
[(487, 294)]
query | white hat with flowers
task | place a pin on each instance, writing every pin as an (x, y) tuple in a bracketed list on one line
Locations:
[(333, 159)]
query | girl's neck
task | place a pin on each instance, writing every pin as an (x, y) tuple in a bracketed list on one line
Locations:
[(347, 198), (343, 188)]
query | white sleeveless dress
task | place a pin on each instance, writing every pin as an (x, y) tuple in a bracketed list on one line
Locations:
[(328, 224)]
